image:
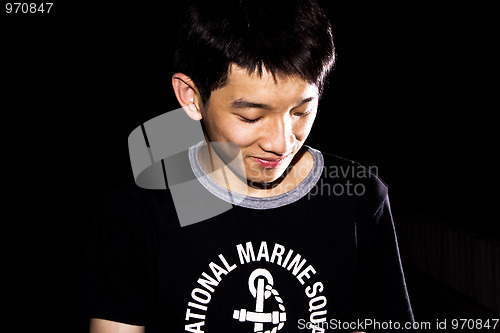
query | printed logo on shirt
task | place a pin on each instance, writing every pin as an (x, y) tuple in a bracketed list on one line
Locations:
[(267, 314), (260, 285)]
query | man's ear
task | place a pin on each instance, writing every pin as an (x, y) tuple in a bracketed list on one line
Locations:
[(187, 95)]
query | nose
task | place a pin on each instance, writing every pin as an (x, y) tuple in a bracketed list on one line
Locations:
[(277, 136)]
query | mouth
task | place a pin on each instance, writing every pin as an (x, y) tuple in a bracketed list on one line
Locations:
[(270, 163)]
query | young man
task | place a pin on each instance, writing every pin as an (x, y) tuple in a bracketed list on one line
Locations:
[(308, 244)]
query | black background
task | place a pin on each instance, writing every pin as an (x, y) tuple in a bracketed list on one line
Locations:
[(411, 93)]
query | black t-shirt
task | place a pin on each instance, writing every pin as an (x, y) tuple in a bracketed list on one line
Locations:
[(322, 260)]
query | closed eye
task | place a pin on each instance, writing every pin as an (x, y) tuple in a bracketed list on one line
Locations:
[(250, 121), (302, 114)]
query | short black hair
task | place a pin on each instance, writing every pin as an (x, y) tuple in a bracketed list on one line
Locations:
[(284, 37)]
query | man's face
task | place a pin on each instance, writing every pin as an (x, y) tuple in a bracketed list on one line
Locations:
[(268, 120)]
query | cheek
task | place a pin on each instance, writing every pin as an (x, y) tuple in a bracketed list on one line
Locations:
[(303, 128), (243, 136), (232, 130)]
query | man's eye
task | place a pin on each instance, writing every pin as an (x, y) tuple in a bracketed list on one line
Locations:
[(246, 120), (302, 114)]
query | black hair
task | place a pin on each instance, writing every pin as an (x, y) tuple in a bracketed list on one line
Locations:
[(284, 37)]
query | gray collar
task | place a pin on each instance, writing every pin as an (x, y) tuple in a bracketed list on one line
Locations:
[(255, 202)]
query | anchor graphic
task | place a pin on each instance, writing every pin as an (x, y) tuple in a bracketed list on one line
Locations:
[(261, 292)]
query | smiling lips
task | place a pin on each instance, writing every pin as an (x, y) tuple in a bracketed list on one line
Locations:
[(269, 163)]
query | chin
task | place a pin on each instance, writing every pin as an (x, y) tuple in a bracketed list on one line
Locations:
[(263, 181), (266, 177)]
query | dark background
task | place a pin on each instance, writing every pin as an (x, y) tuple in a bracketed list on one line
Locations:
[(411, 93)]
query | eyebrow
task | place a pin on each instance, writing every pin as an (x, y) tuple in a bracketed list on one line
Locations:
[(243, 104)]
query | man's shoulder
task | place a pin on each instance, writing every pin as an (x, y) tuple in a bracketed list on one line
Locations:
[(129, 200), (343, 168), (353, 180), (127, 193)]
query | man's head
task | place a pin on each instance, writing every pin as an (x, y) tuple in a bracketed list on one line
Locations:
[(254, 71)]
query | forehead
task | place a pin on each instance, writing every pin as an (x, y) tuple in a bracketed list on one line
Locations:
[(241, 84)]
